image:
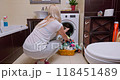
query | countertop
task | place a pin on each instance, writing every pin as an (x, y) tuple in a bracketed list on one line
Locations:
[(11, 29), (99, 16)]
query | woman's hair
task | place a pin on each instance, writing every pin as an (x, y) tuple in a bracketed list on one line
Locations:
[(53, 12)]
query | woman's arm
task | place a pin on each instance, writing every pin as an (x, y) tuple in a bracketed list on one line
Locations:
[(62, 33)]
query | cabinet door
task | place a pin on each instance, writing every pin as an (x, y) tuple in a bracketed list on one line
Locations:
[(87, 32), (101, 29), (18, 39), (32, 23), (6, 47)]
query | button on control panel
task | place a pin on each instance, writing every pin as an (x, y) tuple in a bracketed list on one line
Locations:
[(66, 16)]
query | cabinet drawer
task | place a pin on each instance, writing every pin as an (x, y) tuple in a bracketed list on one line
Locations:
[(100, 38), (86, 38), (87, 25), (101, 24)]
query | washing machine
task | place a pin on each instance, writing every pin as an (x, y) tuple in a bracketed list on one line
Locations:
[(71, 20)]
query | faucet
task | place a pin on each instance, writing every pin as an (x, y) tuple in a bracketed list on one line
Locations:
[(1, 25), (0, 30)]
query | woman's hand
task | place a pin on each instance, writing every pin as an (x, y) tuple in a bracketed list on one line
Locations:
[(66, 39), (66, 29), (63, 34)]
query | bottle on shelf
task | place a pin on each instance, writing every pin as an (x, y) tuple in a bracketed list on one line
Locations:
[(115, 32), (5, 21)]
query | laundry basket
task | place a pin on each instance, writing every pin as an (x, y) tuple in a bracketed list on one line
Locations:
[(66, 52)]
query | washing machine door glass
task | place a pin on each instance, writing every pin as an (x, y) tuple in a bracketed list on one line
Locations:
[(69, 25)]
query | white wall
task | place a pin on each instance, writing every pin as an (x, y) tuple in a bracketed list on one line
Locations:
[(81, 9), (19, 10)]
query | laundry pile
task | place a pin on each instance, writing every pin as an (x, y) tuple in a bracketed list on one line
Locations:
[(70, 45)]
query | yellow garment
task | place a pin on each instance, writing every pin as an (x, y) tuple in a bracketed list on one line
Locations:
[(118, 37), (68, 37)]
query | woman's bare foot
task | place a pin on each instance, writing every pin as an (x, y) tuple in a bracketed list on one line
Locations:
[(46, 62), (40, 61)]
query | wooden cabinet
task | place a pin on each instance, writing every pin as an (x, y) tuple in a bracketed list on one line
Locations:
[(93, 6), (87, 32), (32, 23), (98, 29), (19, 38), (11, 46), (6, 47)]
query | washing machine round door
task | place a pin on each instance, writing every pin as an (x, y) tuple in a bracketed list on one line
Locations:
[(69, 24)]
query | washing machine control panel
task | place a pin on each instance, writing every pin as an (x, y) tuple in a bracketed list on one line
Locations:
[(70, 16)]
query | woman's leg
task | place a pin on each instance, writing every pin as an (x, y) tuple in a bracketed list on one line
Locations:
[(52, 48), (55, 51), (40, 61)]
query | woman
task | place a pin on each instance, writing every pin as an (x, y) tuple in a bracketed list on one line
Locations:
[(38, 44)]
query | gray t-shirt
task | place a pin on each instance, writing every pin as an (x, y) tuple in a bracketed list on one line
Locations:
[(42, 36)]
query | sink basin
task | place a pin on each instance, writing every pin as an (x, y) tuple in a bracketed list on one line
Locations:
[(41, 14), (11, 29), (8, 28), (0, 30)]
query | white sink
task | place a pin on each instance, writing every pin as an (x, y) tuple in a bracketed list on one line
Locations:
[(11, 29), (0, 30), (41, 14)]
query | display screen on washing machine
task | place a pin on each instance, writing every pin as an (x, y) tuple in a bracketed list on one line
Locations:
[(69, 25), (72, 16)]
